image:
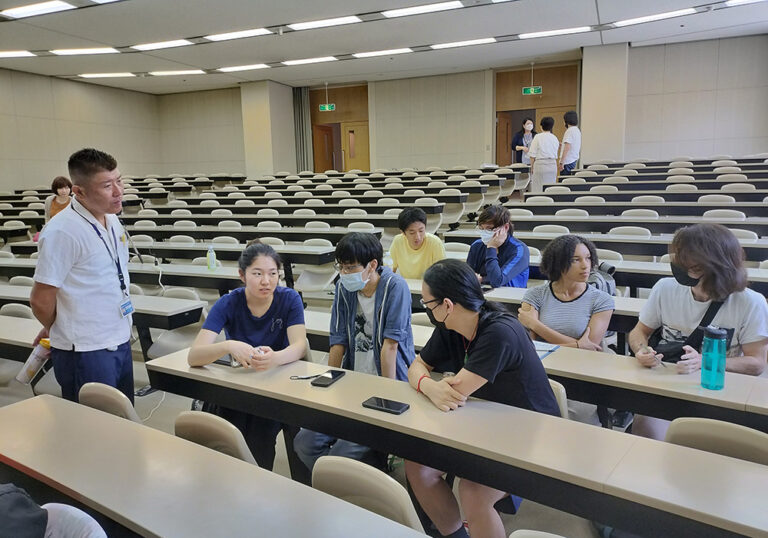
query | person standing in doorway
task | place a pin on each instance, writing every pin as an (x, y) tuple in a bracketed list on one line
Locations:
[(521, 142), (543, 155), (80, 294)]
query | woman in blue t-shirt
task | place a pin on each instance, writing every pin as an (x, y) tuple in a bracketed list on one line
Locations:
[(264, 327)]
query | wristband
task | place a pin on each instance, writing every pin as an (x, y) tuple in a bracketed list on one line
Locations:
[(418, 385)]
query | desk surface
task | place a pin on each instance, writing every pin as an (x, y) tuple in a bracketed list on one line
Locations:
[(157, 473)]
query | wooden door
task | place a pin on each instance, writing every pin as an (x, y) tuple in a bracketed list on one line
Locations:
[(503, 139), (354, 145), (322, 147), (557, 114)]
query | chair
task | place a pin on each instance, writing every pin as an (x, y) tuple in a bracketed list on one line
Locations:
[(207, 195), (727, 170), (27, 213), (147, 213), (680, 163), (239, 194), (317, 225), (339, 194), (213, 432), (395, 211), (638, 231), (615, 179), (557, 190), (738, 187), (4, 254), (648, 199), (533, 251), (221, 213), (269, 225), (680, 179), (523, 533), (267, 212), (147, 259), (360, 227), (719, 437), (680, 171), (724, 214), (313, 202), (367, 487), (272, 241), (108, 399), (21, 281), (681, 187), (626, 172), (717, 199), (16, 310), (741, 178), (590, 200), (724, 162), (644, 213), (665, 258), (349, 201), (142, 239), (182, 239), (414, 192), (745, 235), (304, 212), (184, 225), (634, 166), (573, 181), (515, 212), (539, 200), (230, 225), (597, 167), (177, 203), (475, 200), (585, 173), (571, 212), (550, 229), (607, 254), (356, 212), (209, 203), (277, 202), (560, 396), (387, 201), (373, 194), (245, 203), (452, 211), (604, 188), (456, 247), (181, 213)]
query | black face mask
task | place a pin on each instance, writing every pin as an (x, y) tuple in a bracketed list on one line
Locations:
[(433, 321), (682, 277)]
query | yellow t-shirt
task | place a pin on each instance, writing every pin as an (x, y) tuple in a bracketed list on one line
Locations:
[(411, 263)]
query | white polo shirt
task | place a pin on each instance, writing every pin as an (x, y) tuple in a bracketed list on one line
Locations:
[(74, 259), (544, 146), (573, 137)]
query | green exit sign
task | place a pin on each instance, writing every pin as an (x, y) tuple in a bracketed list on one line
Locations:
[(532, 90), (330, 107)]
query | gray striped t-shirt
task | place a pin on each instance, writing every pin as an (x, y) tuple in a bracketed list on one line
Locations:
[(568, 318)]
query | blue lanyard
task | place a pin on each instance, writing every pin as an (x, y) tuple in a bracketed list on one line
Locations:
[(115, 258)]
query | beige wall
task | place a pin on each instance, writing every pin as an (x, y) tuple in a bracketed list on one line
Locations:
[(43, 120), (603, 102), (442, 121), (699, 98), (283, 128), (201, 132)]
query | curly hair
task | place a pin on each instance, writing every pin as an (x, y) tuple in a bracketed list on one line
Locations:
[(557, 255)]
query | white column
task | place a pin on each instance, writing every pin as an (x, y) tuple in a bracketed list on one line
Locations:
[(603, 115), (268, 130)]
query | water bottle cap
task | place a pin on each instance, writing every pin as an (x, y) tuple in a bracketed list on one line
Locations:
[(46, 343), (714, 332)]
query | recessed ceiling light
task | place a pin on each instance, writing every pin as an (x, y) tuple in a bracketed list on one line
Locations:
[(36, 9), (75, 52), (381, 53), (162, 44), (310, 60), (106, 75), (656, 17), (182, 72), (732, 3), (548, 33), (418, 10), (15, 54), (324, 23), (242, 68), (464, 43), (238, 35)]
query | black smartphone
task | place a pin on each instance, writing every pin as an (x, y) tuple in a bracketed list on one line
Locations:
[(328, 378), (388, 406)]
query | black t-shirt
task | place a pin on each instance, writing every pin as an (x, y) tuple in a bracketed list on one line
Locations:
[(503, 354)]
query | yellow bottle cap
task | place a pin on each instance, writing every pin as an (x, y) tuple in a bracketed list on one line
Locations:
[(46, 343)]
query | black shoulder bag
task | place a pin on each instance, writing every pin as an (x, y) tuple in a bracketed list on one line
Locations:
[(672, 351)]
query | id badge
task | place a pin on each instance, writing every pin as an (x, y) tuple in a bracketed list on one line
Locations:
[(126, 308)]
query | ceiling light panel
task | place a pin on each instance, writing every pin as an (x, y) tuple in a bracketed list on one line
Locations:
[(390, 52), (419, 10), (550, 33), (338, 21), (238, 35), (733, 3), (237, 68), (15, 54), (40, 8), (483, 41), (106, 75), (174, 73), (78, 52), (310, 60), (655, 17), (162, 45)]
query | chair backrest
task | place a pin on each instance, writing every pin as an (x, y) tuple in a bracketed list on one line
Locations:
[(456, 247), (7, 255), (16, 310), (573, 180), (366, 487), (304, 212), (747, 235), (597, 167), (361, 226), (571, 212), (557, 189), (244, 203), (314, 202), (719, 437), (355, 212), (273, 241), (387, 201), (147, 213), (550, 229), (560, 396), (349, 201), (590, 199), (393, 211), (717, 199), (585, 173), (221, 212), (277, 202), (317, 225), (630, 230), (604, 188), (680, 179), (209, 203), (317, 242), (213, 432), (225, 240), (634, 166), (732, 177), (626, 172), (181, 213), (207, 195), (763, 264), (108, 399), (269, 225), (539, 200), (177, 203), (21, 281), (516, 212), (646, 213), (230, 225), (145, 258), (648, 199), (680, 163), (607, 254), (616, 179), (181, 238), (738, 187), (724, 162), (267, 212), (681, 187), (724, 214), (680, 171), (727, 170), (185, 224)]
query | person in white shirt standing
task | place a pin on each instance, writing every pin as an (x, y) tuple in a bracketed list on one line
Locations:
[(543, 155), (80, 294), (569, 153)]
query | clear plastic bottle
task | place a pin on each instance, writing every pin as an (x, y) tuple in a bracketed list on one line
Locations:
[(35, 361), (713, 358), (210, 258)]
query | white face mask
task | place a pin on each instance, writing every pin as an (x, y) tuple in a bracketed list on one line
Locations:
[(486, 236), (528, 126)]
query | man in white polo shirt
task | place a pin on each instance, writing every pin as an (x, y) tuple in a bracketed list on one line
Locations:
[(81, 285)]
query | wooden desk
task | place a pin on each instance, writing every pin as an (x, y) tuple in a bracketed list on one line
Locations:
[(695, 208), (527, 455), (166, 486)]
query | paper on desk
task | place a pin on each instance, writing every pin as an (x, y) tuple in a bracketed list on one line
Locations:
[(544, 348)]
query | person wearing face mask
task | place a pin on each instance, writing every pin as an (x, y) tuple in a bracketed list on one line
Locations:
[(522, 141), (370, 332), (497, 258), (493, 359), (709, 277)]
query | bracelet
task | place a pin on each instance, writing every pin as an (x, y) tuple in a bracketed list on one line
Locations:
[(418, 385), (577, 345)]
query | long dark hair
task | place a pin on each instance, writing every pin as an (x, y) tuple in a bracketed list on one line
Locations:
[(522, 129), (455, 280)]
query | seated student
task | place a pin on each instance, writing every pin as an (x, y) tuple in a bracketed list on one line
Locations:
[(414, 250), (567, 310), (370, 332), (493, 359), (264, 327), (708, 265), (497, 258)]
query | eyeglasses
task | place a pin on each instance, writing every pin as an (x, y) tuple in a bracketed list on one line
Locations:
[(346, 269), (424, 303)]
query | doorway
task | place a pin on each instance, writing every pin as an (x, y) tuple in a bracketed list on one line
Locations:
[(508, 123), (355, 149), (326, 146)]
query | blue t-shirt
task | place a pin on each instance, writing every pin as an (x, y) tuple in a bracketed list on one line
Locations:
[(231, 314)]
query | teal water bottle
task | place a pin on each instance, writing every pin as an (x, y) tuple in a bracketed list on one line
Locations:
[(713, 358)]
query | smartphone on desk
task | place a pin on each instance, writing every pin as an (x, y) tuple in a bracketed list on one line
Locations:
[(328, 378), (228, 360), (388, 406)]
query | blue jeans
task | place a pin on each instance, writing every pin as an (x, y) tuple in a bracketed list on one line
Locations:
[(568, 168), (73, 369), (310, 446)]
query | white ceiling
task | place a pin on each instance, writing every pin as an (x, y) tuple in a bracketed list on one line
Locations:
[(132, 22)]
